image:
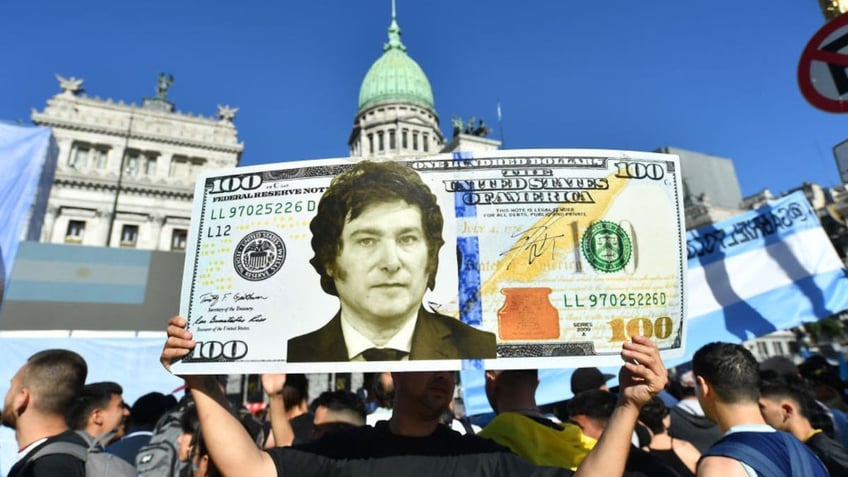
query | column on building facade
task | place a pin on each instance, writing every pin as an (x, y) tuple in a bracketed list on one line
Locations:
[(156, 241), (104, 217), (49, 221)]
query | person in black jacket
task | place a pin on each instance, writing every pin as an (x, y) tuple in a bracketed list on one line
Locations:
[(786, 404), (39, 397), (688, 421)]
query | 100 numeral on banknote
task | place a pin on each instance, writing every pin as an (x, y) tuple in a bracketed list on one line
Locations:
[(538, 258)]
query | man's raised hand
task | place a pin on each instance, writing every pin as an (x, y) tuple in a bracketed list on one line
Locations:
[(179, 342), (643, 375)]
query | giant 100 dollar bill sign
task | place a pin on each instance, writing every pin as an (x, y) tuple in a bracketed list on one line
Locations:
[(562, 255)]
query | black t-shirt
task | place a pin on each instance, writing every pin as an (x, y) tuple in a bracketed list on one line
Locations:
[(302, 427), (642, 464), (53, 464), (831, 453), (367, 451), (378, 441)]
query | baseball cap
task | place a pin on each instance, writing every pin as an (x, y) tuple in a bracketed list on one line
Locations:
[(584, 379)]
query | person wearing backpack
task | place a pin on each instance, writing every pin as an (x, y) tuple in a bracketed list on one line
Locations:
[(160, 456), (38, 400), (99, 411), (726, 383), (144, 414)]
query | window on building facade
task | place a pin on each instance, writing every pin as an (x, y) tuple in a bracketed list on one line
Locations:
[(414, 141), (777, 347), (371, 144), (197, 166), (79, 156), (75, 231), (150, 167), (179, 167), (100, 158), (424, 142), (392, 144), (129, 235), (131, 165), (403, 143), (380, 145), (762, 348), (178, 239)]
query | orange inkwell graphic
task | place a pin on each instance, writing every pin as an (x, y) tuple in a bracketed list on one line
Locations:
[(527, 314)]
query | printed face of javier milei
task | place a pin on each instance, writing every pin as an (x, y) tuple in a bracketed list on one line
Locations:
[(379, 258)]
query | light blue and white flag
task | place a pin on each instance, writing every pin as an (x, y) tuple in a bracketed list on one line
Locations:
[(762, 271), (27, 162), (766, 270)]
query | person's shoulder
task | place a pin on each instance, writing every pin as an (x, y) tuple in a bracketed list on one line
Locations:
[(58, 463), (640, 462), (720, 466), (346, 443)]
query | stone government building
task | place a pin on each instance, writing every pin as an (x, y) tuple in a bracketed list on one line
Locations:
[(125, 173)]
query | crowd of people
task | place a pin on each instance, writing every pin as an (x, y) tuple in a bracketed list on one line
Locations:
[(728, 416)]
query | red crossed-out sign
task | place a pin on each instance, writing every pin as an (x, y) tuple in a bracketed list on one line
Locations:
[(823, 69)]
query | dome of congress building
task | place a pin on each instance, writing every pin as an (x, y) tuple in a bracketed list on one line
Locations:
[(395, 77)]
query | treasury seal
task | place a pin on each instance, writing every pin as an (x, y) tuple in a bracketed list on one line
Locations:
[(259, 255), (607, 246)]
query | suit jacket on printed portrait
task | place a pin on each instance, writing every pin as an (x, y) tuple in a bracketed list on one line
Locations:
[(435, 337)]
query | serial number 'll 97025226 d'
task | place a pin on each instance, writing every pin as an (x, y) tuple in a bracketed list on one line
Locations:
[(268, 208)]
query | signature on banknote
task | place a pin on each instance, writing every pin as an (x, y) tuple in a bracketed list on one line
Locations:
[(535, 241)]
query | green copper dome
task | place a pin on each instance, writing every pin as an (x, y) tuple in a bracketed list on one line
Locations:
[(395, 76)]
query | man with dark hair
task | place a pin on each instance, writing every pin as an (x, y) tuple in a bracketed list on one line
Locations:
[(786, 404), (337, 410), (296, 402), (383, 394), (376, 238), (586, 379), (726, 382), (40, 395), (591, 411), (144, 414), (99, 410)]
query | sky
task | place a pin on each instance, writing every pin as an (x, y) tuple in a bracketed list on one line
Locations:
[(717, 77)]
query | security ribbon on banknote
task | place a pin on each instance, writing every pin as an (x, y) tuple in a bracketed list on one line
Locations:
[(561, 254)]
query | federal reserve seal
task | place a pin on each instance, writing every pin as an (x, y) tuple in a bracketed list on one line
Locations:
[(259, 255), (607, 246)]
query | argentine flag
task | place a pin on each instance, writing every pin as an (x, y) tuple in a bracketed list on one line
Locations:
[(27, 162), (766, 270)]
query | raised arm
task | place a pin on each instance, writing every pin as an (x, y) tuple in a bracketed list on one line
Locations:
[(280, 426), (642, 377), (229, 444)]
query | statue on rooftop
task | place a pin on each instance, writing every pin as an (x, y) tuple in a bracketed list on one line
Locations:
[(457, 124), (70, 86), (226, 114), (469, 127), (165, 82), (481, 130)]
